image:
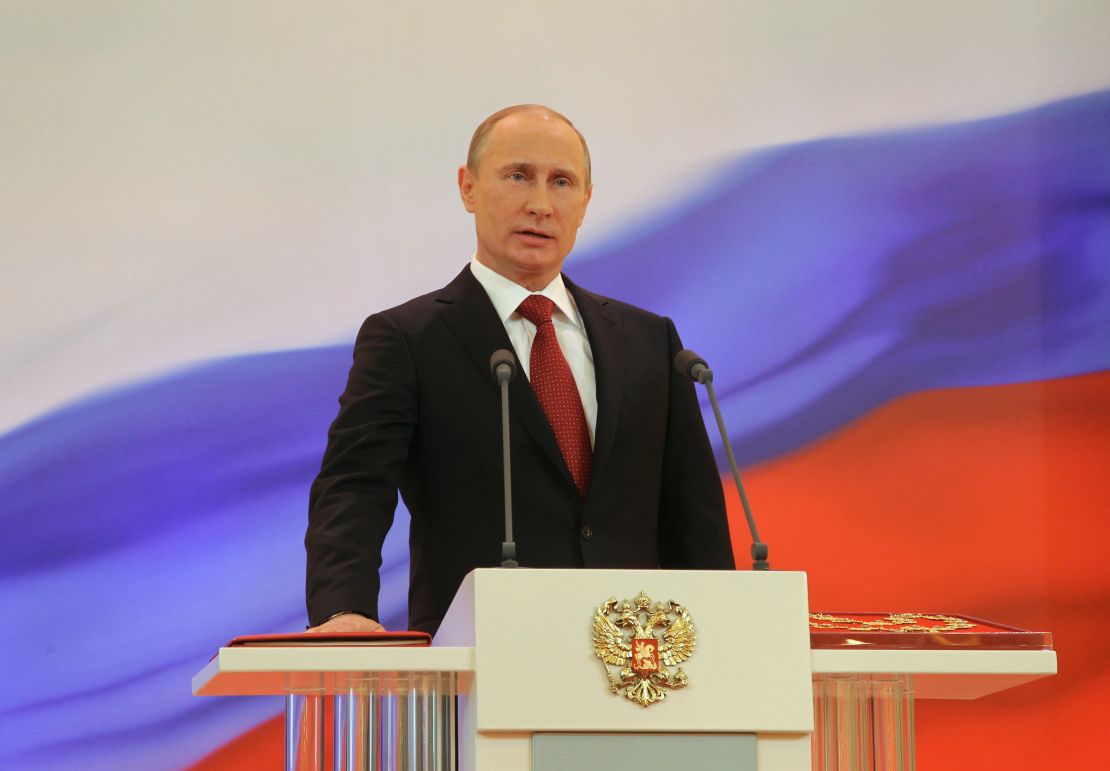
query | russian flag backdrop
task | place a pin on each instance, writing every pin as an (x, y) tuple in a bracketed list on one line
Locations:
[(887, 229)]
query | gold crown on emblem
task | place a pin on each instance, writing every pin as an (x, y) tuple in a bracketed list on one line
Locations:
[(634, 656)]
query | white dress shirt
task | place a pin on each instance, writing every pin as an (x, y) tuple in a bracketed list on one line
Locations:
[(507, 296)]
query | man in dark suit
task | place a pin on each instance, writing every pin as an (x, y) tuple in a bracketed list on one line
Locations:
[(611, 463)]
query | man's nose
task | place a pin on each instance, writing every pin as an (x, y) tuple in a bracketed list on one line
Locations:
[(539, 200)]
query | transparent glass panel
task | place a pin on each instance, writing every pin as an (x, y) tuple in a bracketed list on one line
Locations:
[(372, 720), (863, 722)]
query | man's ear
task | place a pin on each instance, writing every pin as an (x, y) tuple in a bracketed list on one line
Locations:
[(585, 204), (466, 188)]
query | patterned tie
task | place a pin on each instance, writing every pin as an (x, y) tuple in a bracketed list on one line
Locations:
[(557, 393)]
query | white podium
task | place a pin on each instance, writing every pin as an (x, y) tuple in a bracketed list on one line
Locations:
[(536, 671), (517, 649)]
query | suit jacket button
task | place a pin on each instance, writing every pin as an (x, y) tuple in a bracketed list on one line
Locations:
[(587, 532)]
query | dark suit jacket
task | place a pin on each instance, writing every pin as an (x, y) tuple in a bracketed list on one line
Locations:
[(421, 413)]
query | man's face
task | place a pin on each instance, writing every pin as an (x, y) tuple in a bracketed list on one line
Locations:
[(528, 197)]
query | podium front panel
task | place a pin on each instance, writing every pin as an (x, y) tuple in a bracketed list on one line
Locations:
[(536, 670)]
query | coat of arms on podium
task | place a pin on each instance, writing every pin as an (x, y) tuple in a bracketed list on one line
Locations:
[(637, 658)]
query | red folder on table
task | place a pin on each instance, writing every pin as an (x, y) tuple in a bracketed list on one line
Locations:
[(332, 639)]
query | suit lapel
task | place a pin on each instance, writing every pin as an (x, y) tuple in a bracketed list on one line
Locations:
[(606, 341), (470, 315)]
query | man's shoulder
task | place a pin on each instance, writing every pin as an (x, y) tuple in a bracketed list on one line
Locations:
[(425, 307), (619, 308), (422, 306)]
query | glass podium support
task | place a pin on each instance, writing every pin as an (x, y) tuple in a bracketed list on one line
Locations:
[(373, 722), (304, 731), (863, 722)]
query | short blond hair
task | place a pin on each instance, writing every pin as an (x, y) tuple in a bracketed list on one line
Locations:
[(481, 135)]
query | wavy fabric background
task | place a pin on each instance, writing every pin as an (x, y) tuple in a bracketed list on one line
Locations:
[(970, 254), (821, 280)]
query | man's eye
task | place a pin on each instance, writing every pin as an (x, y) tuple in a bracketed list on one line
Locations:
[(562, 182), (517, 176)]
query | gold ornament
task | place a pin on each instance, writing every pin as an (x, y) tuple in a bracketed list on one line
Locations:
[(892, 622), (625, 639)]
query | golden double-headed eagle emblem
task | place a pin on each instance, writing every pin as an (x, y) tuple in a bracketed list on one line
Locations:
[(635, 657)]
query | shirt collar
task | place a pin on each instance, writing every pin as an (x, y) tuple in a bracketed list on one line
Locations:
[(507, 295)]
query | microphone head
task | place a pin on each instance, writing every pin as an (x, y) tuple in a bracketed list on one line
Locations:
[(502, 364), (692, 366)]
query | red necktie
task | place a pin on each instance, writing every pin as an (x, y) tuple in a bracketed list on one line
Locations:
[(557, 392)]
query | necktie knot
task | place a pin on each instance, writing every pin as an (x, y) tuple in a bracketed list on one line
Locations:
[(537, 309)]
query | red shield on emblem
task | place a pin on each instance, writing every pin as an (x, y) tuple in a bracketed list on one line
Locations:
[(645, 656)]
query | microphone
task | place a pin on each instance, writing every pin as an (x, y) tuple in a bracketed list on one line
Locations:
[(694, 367), (503, 366)]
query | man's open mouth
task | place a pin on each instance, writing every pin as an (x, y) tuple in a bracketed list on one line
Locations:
[(534, 233)]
